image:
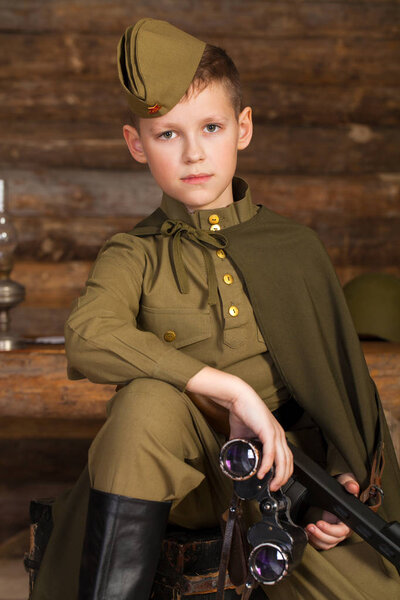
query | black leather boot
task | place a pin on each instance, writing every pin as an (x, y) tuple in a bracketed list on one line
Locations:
[(121, 547)]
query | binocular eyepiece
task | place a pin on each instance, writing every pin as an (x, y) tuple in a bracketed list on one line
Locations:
[(240, 459), (277, 543)]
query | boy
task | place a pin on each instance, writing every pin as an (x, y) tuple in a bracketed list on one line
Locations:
[(167, 316)]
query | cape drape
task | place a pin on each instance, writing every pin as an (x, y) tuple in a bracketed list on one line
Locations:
[(302, 313)]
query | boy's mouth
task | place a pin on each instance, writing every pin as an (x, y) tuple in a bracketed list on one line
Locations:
[(197, 178)]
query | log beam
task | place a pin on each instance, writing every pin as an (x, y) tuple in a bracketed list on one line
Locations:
[(35, 389)]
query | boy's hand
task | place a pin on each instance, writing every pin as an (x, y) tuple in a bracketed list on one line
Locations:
[(330, 531), (248, 417)]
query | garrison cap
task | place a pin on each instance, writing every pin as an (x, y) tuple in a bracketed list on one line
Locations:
[(156, 65), (374, 303)]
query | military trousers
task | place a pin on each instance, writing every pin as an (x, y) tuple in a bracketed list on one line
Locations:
[(156, 445)]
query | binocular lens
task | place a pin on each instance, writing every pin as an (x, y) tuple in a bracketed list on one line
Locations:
[(239, 460), (268, 563)]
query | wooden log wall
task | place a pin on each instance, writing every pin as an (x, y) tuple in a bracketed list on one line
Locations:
[(323, 78)]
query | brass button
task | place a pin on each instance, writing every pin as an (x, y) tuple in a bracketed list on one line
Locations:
[(221, 253), (215, 227), (233, 311), (169, 335), (213, 219), (228, 278)]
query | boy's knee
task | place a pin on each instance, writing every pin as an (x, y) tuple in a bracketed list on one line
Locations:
[(151, 404), (149, 420)]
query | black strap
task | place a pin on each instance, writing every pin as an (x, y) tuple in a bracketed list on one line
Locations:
[(250, 585), (226, 545)]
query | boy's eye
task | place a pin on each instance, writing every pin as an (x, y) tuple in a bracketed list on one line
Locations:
[(167, 135), (211, 127)]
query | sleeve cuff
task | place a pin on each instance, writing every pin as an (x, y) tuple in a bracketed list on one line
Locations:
[(177, 368)]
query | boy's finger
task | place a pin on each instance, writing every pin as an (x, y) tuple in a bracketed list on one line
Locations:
[(288, 462), (318, 536), (320, 544), (280, 469), (337, 530), (267, 460), (352, 487), (349, 482), (290, 465)]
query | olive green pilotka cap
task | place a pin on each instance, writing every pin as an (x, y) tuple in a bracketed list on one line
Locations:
[(156, 65)]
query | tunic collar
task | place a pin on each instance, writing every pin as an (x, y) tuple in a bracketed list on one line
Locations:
[(242, 209)]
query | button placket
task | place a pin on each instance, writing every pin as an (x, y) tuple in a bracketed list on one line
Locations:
[(231, 294)]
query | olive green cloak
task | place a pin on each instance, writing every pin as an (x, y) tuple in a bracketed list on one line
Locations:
[(303, 316)]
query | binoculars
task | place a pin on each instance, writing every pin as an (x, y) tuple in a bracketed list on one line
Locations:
[(277, 541)]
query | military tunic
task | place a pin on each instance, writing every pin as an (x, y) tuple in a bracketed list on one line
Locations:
[(132, 326), (132, 319)]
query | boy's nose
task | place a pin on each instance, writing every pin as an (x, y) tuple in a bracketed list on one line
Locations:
[(193, 151)]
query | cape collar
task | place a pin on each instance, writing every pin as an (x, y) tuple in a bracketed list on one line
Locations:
[(241, 209), (202, 228)]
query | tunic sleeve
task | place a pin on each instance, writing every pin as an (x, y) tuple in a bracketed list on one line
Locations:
[(102, 340)]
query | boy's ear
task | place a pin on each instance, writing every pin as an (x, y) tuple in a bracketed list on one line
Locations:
[(245, 128), (134, 143)]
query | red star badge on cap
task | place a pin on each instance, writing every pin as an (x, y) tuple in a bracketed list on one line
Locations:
[(154, 109)]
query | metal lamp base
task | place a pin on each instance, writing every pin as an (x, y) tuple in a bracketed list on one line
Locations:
[(9, 342), (11, 294)]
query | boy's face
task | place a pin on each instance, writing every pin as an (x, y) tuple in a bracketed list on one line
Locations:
[(192, 150)]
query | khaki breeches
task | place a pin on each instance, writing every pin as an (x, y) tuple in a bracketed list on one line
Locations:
[(156, 445)]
